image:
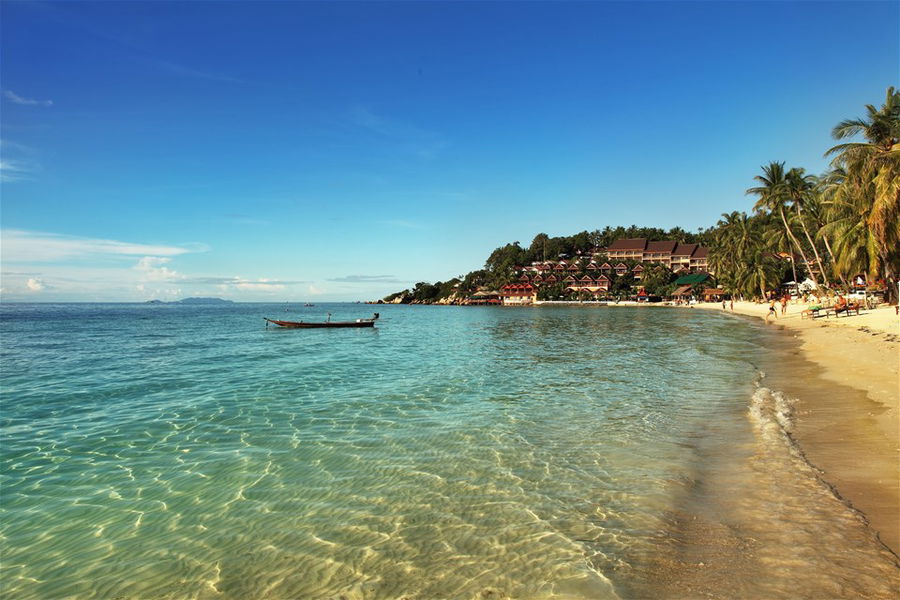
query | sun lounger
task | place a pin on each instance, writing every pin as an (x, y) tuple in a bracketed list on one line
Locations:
[(814, 312), (853, 307)]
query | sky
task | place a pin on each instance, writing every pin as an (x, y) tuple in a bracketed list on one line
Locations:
[(303, 151)]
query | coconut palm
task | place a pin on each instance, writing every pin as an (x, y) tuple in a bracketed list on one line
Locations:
[(872, 170), (799, 187), (740, 257), (773, 196)]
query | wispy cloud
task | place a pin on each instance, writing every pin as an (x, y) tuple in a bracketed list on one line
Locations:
[(408, 137), (367, 279), (17, 99), (185, 71), (146, 50), (32, 247), (14, 170), (238, 281), (18, 162)]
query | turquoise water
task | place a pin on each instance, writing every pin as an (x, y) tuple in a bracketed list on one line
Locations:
[(451, 452)]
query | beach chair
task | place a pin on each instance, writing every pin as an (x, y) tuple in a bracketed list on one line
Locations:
[(847, 309)]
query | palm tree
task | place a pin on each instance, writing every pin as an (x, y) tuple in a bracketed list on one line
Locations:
[(740, 258), (798, 187), (772, 197), (775, 237), (873, 172)]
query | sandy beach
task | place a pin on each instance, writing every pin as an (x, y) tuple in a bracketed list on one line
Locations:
[(849, 426)]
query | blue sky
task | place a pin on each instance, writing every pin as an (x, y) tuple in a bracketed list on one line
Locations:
[(341, 151)]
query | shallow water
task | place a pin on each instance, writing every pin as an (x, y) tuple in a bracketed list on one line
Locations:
[(452, 452)]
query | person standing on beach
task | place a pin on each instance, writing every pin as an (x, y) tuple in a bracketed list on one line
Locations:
[(772, 312), (784, 302), (723, 303), (732, 305)]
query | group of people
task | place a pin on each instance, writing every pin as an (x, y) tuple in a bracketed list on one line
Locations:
[(773, 311)]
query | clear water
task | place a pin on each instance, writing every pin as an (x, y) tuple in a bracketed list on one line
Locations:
[(452, 452)]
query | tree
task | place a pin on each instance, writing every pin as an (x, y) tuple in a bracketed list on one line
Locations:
[(742, 261), (872, 181), (656, 278), (799, 187), (772, 197)]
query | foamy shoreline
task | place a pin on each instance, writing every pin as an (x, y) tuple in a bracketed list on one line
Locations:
[(854, 441)]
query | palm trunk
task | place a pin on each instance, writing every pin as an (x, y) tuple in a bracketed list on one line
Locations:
[(794, 271), (790, 235), (840, 274), (815, 251)]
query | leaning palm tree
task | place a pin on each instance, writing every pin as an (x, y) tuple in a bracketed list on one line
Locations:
[(816, 206), (772, 197), (873, 170), (799, 187)]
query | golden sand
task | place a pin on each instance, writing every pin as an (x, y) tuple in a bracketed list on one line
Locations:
[(854, 438)]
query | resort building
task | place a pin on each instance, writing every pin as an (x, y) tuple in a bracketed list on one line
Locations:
[(675, 256), (518, 293), (484, 298), (586, 274), (659, 253), (627, 249)]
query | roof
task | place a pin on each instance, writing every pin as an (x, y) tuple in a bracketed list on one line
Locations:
[(692, 279), (666, 246), (514, 287), (630, 244), (684, 249), (682, 290), (701, 252)]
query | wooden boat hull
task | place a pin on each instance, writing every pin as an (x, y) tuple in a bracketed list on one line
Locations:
[(322, 325)]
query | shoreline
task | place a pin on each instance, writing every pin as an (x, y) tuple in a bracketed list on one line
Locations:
[(848, 428)]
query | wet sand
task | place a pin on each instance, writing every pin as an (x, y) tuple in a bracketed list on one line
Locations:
[(848, 409)]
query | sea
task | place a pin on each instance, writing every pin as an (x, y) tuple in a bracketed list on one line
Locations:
[(192, 452)]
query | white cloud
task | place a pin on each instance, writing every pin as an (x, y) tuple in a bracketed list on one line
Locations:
[(17, 99), (261, 285), (31, 246), (367, 279), (315, 291), (152, 268), (34, 285)]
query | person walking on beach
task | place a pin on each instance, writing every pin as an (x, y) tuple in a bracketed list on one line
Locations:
[(784, 302), (772, 312), (723, 303)]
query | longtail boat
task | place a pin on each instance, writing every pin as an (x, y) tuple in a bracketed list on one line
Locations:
[(320, 324)]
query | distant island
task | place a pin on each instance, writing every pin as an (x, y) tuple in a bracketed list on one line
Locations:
[(203, 301)]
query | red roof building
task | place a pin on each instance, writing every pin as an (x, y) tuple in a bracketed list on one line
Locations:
[(630, 249), (517, 293)]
